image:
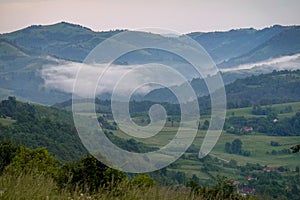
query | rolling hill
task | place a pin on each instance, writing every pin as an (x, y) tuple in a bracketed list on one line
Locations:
[(284, 43), (24, 53), (223, 46)]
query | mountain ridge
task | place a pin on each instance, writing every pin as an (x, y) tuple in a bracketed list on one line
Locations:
[(24, 53), (281, 43)]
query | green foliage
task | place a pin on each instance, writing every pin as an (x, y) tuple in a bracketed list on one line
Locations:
[(295, 148), (236, 148), (205, 125), (265, 89), (268, 124), (37, 161), (274, 144), (259, 110), (105, 124), (142, 180), (113, 177), (8, 107), (280, 152), (35, 187), (35, 174), (224, 189), (89, 173), (40, 126), (130, 145), (29, 186), (7, 153)]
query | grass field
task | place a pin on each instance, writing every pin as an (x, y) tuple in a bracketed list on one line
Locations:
[(6, 121), (258, 144), (246, 112)]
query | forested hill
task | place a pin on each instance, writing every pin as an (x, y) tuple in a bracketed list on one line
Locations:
[(287, 42), (26, 55), (264, 89), (40, 126), (276, 87), (36, 126)]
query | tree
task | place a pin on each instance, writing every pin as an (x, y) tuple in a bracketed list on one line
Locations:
[(295, 148), (38, 161), (224, 189), (9, 106), (89, 173), (7, 153), (205, 125), (228, 147), (142, 180), (236, 146)]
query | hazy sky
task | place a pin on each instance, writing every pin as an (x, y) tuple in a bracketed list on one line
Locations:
[(180, 15)]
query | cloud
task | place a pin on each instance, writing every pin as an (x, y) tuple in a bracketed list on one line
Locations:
[(85, 80), (280, 63)]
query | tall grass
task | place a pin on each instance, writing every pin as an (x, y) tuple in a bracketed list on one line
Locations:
[(27, 186), (38, 187)]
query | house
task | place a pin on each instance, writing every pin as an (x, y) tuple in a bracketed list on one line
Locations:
[(269, 169), (250, 178), (247, 129), (246, 190)]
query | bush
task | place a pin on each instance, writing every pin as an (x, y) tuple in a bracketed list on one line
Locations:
[(142, 180), (37, 161), (88, 174), (7, 153)]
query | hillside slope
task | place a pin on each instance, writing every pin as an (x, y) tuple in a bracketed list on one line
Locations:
[(24, 53), (285, 43), (225, 45)]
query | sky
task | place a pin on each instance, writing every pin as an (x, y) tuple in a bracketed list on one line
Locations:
[(182, 16)]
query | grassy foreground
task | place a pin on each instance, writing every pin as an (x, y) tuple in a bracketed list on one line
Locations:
[(32, 187)]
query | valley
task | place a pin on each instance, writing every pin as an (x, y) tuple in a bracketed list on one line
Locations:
[(251, 159)]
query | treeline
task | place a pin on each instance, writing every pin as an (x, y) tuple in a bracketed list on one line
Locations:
[(85, 173), (235, 147), (265, 89), (38, 126), (268, 124), (92, 178)]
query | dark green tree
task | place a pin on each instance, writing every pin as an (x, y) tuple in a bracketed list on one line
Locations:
[(7, 153), (88, 173), (37, 161), (236, 146), (295, 148)]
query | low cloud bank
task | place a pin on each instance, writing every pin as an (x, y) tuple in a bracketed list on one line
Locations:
[(102, 78), (281, 63)]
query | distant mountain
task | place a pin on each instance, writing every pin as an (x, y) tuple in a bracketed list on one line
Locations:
[(287, 42), (225, 45), (9, 51), (62, 40), (275, 87), (25, 52)]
